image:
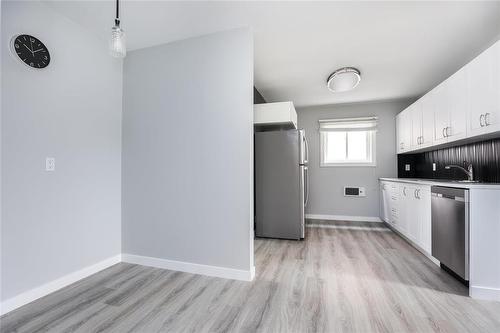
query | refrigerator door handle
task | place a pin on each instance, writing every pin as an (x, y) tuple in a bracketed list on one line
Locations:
[(306, 146), (306, 180)]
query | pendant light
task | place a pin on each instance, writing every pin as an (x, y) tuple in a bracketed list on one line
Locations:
[(117, 42)]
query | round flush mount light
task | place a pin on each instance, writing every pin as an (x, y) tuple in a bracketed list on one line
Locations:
[(343, 79)]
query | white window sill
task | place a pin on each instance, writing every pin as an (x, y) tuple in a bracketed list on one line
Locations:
[(336, 165)]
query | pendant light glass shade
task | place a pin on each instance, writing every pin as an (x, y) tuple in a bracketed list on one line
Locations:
[(117, 47)]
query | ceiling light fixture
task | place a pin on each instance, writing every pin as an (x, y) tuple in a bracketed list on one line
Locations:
[(343, 79), (117, 43)]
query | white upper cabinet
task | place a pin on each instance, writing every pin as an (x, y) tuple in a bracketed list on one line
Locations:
[(282, 113), (427, 110), (416, 124), (422, 122), (483, 89), (450, 109), (441, 113), (456, 103), (403, 131), (465, 106)]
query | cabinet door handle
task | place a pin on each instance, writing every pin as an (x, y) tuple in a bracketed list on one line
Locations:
[(486, 119), (481, 117), (443, 131), (415, 194), (448, 133), (404, 191), (418, 194)]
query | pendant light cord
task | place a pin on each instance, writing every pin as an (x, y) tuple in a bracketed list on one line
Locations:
[(117, 19)]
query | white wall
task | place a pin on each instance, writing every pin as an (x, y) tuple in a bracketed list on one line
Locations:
[(327, 183), (56, 223), (187, 160)]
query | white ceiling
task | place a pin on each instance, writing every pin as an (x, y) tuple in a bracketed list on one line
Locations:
[(402, 49)]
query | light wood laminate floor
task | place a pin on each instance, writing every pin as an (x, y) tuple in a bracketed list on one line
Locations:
[(337, 280)]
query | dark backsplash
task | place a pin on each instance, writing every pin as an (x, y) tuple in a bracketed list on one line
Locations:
[(484, 156)]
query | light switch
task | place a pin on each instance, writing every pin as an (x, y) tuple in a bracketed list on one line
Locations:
[(407, 167), (50, 164), (433, 166)]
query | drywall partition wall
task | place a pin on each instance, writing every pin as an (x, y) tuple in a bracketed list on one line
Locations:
[(54, 224), (326, 199), (187, 162)]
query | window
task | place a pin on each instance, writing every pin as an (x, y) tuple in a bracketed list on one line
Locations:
[(348, 142)]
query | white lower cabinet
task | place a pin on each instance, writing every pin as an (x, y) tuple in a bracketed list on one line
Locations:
[(385, 209), (424, 216), (407, 208), (404, 211)]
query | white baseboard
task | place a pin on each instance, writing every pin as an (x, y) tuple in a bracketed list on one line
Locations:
[(344, 218), (222, 272), (347, 227), (50, 287), (490, 294)]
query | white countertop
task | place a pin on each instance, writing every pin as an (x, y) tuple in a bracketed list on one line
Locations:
[(447, 183)]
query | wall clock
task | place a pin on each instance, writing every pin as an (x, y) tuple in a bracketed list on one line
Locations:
[(31, 51)]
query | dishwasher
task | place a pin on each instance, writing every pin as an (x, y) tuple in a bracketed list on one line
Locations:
[(450, 230)]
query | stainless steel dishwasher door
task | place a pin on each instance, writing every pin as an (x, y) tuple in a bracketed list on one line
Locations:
[(450, 228)]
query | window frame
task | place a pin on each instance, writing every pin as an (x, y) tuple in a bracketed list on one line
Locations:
[(371, 145)]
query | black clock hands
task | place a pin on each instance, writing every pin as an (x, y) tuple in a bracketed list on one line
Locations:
[(27, 48)]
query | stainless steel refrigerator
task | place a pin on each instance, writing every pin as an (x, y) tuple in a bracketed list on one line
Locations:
[(281, 183)]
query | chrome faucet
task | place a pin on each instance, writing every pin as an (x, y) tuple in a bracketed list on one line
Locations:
[(469, 171)]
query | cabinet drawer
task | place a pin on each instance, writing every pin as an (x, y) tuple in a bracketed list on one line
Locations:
[(394, 211)]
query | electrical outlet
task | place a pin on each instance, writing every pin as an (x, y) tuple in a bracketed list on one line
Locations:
[(50, 164), (407, 167), (433, 166)]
